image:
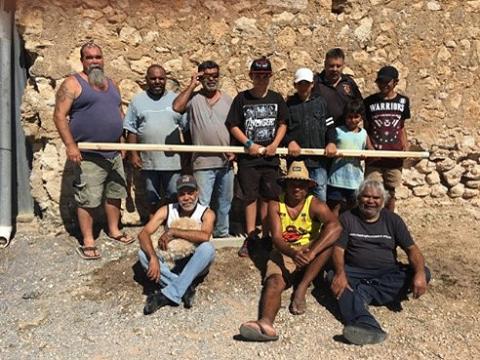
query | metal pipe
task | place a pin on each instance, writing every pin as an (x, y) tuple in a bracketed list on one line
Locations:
[(6, 18)]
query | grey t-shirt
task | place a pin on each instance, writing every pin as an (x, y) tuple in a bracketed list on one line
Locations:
[(207, 127), (155, 122)]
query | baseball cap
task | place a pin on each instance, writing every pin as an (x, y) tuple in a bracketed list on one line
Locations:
[(303, 74), (186, 181), (387, 73), (262, 65)]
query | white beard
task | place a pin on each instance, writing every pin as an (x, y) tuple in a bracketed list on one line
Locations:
[(96, 77)]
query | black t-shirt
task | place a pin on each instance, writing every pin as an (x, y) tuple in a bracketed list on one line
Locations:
[(259, 119), (384, 122), (373, 245)]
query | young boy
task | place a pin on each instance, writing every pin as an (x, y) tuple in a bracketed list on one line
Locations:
[(257, 119), (346, 174), (310, 126), (386, 112)]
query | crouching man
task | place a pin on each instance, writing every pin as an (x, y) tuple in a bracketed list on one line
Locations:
[(366, 267), (303, 233), (180, 281)]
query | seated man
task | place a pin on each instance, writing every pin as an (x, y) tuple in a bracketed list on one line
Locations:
[(301, 249), (177, 287), (366, 266)]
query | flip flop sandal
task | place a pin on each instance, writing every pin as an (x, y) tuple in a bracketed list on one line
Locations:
[(81, 252), (119, 238), (250, 333)]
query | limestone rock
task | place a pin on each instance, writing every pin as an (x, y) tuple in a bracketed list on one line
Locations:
[(402, 192), (473, 184), (413, 178), (286, 38), (443, 54), (470, 193), (425, 166), (453, 176), (438, 191), (285, 18), (421, 191), (141, 65), (456, 191), (473, 173), (130, 35), (432, 178), (364, 30), (128, 89), (434, 6), (446, 165), (246, 25), (173, 65), (96, 4)]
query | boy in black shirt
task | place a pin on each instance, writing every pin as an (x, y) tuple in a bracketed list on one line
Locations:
[(385, 115), (257, 120)]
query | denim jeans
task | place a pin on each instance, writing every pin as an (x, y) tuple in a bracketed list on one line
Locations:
[(175, 284), (372, 287), (216, 184), (160, 184), (320, 175)]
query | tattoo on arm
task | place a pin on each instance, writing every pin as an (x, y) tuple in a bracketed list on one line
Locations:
[(64, 94)]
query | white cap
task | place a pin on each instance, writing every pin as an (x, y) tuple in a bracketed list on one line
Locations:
[(303, 74)]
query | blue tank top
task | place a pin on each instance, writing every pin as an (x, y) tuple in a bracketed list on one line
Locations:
[(95, 116)]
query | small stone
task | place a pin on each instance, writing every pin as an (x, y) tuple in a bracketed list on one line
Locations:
[(31, 295), (444, 54), (433, 6), (412, 178), (425, 166), (453, 176), (432, 178), (421, 191), (438, 190), (456, 191), (446, 165), (246, 25), (402, 192), (364, 30), (473, 174), (470, 193)]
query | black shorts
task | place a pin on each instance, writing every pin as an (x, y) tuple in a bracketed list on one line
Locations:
[(259, 181)]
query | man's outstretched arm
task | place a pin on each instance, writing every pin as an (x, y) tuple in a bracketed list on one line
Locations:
[(417, 262)]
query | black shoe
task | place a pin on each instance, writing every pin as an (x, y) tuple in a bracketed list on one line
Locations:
[(363, 334), (188, 297), (155, 301)]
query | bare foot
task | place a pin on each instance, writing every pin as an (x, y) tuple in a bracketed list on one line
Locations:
[(298, 304)]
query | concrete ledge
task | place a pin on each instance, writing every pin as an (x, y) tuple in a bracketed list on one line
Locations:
[(234, 241)]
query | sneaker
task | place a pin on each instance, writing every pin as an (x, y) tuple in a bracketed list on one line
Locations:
[(243, 252), (155, 301), (363, 334), (188, 297)]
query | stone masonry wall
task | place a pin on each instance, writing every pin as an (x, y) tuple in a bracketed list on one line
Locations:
[(434, 44)]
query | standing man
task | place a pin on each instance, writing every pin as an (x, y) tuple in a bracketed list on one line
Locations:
[(337, 88), (258, 120), (303, 232), (178, 285), (310, 126), (207, 111), (150, 119), (92, 103), (366, 267)]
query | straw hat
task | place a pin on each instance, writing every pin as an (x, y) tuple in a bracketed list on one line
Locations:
[(298, 171)]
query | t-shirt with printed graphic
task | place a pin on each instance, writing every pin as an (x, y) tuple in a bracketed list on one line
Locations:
[(373, 245), (259, 119), (384, 122)]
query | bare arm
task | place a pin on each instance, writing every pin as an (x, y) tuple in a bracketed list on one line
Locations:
[(331, 229), (135, 158), (197, 236), (340, 280), (417, 262), (64, 98), (238, 134), (280, 134), (181, 101)]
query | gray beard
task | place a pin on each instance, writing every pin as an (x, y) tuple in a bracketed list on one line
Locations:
[(96, 77)]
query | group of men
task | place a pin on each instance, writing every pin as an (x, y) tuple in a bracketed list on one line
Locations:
[(303, 230)]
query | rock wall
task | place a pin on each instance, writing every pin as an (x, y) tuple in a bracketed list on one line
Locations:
[(434, 44)]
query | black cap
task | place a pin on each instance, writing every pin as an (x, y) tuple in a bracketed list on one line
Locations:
[(186, 181), (387, 73), (262, 65)]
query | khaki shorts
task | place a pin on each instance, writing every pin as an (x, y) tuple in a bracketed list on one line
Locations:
[(97, 177), (391, 178), (280, 264)]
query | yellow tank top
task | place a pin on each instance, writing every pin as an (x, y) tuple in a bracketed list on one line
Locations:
[(299, 231)]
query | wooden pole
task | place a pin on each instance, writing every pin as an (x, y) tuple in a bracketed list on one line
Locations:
[(241, 150)]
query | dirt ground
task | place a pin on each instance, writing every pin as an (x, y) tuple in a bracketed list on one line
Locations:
[(53, 305)]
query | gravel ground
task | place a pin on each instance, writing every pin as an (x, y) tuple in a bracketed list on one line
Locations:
[(53, 305)]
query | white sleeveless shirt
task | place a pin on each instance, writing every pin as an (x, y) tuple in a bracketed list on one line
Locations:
[(173, 213)]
